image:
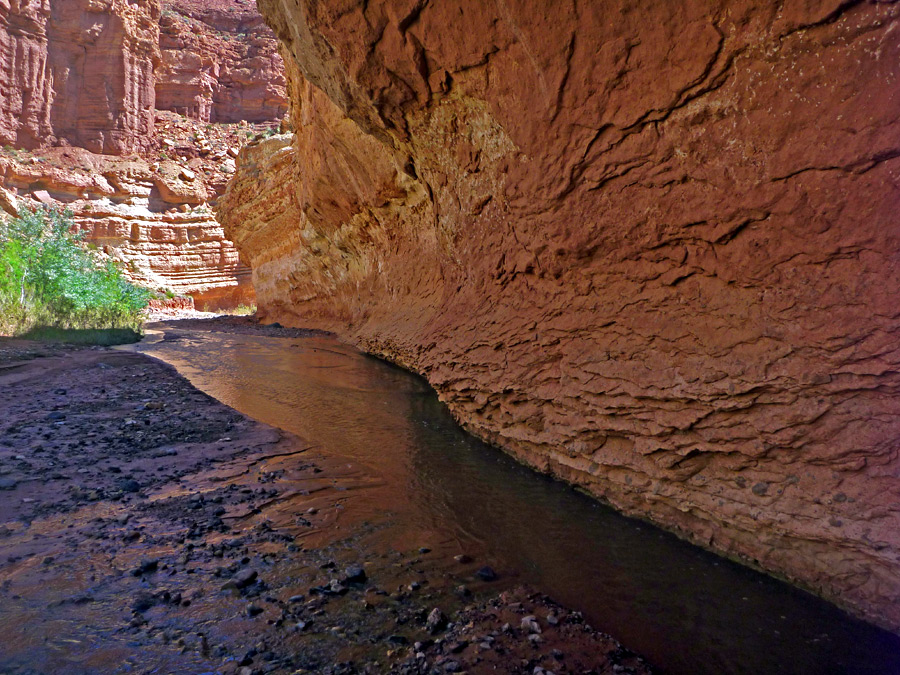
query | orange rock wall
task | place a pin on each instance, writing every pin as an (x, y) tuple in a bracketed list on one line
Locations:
[(649, 247)]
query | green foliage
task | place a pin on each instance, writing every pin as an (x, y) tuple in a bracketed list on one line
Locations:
[(49, 278), (243, 310)]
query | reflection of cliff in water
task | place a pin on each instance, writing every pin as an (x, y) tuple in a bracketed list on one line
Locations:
[(686, 610)]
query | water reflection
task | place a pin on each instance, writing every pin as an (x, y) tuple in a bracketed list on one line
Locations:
[(685, 609)]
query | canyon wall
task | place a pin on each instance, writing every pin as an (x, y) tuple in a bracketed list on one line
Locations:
[(220, 63), (78, 72), (89, 91), (154, 219), (648, 247)]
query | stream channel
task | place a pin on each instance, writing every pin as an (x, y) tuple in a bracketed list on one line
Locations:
[(684, 609)]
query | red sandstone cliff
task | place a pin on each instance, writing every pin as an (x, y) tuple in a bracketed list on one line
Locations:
[(220, 63), (649, 247), (78, 72), (85, 74)]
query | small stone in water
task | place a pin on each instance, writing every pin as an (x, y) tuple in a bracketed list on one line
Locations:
[(486, 574)]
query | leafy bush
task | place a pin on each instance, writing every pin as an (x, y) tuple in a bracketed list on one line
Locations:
[(243, 310), (48, 278)]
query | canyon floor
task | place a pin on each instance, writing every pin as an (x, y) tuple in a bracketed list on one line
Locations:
[(146, 527)]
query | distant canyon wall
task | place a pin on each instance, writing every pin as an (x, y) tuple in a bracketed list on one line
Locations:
[(79, 71), (91, 73), (220, 63), (154, 219), (104, 76), (649, 247)]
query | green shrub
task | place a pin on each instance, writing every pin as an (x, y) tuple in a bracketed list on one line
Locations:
[(48, 278), (243, 310)]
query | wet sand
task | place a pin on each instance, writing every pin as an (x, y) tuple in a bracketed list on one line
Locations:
[(145, 527)]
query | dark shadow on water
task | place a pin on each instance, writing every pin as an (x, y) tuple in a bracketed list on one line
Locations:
[(105, 337), (686, 610)]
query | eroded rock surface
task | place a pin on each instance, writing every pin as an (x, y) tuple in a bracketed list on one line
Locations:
[(89, 96), (649, 249), (79, 72), (220, 63)]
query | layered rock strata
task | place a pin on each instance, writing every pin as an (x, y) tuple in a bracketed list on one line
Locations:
[(84, 75), (154, 219), (652, 250), (78, 72), (220, 63)]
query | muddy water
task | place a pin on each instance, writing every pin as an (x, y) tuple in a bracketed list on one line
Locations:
[(685, 610)]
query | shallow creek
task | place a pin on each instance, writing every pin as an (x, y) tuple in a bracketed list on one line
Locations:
[(684, 609)]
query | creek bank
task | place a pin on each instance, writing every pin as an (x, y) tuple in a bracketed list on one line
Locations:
[(646, 249), (148, 527)]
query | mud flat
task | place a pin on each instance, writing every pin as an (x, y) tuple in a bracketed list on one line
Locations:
[(146, 527)]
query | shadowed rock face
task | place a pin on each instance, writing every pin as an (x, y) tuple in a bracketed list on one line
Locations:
[(80, 71), (651, 249)]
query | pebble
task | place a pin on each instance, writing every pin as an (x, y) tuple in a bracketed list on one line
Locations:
[(486, 573), (244, 578), (463, 559), (129, 485), (337, 587), (142, 602), (147, 566), (436, 621), (354, 575), (254, 610), (530, 625)]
